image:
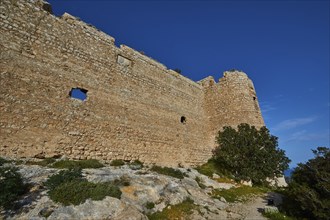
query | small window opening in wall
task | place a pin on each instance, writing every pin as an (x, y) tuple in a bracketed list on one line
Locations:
[(78, 93), (254, 98), (183, 120)]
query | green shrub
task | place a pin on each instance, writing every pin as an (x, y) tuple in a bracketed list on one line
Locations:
[(117, 163), (168, 171), (137, 162), (308, 193), (62, 177), (179, 211), (82, 164), (3, 161), (136, 165), (69, 187), (77, 191), (150, 205), (242, 193), (11, 186)]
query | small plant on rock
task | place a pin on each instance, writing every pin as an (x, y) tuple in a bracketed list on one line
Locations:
[(150, 205), (168, 171), (122, 181), (136, 165), (82, 164), (117, 163), (200, 182), (45, 162)]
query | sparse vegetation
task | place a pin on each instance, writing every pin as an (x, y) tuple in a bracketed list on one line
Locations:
[(11, 186), (210, 168), (242, 193), (224, 180), (168, 171), (136, 165), (117, 163), (44, 162), (277, 216), (200, 182), (82, 164), (179, 211), (69, 187), (122, 181)]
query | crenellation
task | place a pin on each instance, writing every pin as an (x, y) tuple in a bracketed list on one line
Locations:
[(134, 105)]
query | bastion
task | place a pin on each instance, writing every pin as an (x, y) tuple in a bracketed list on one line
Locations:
[(135, 107)]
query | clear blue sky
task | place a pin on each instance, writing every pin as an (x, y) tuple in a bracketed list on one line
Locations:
[(282, 45)]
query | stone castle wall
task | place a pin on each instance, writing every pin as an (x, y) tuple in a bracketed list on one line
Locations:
[(134, 106)]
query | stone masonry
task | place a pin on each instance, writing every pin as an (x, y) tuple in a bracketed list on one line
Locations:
[(136, 108)]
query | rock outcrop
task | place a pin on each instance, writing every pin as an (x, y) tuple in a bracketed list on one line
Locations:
[(144, 187)]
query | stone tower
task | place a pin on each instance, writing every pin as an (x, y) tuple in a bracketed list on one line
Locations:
[(230, 102)]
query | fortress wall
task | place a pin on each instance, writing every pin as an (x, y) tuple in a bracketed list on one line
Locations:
[(134, 103)]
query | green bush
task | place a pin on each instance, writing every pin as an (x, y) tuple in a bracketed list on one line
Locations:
[(150, 205), (250, 154), (11, 186), (69, 187), (308, 194), (82, 164), (117, 163), (62, 177), (136, 165), (3, 161), (168, 171), (77, 191)]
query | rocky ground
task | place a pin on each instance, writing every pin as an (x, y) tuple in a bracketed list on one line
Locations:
[(145, 187)]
